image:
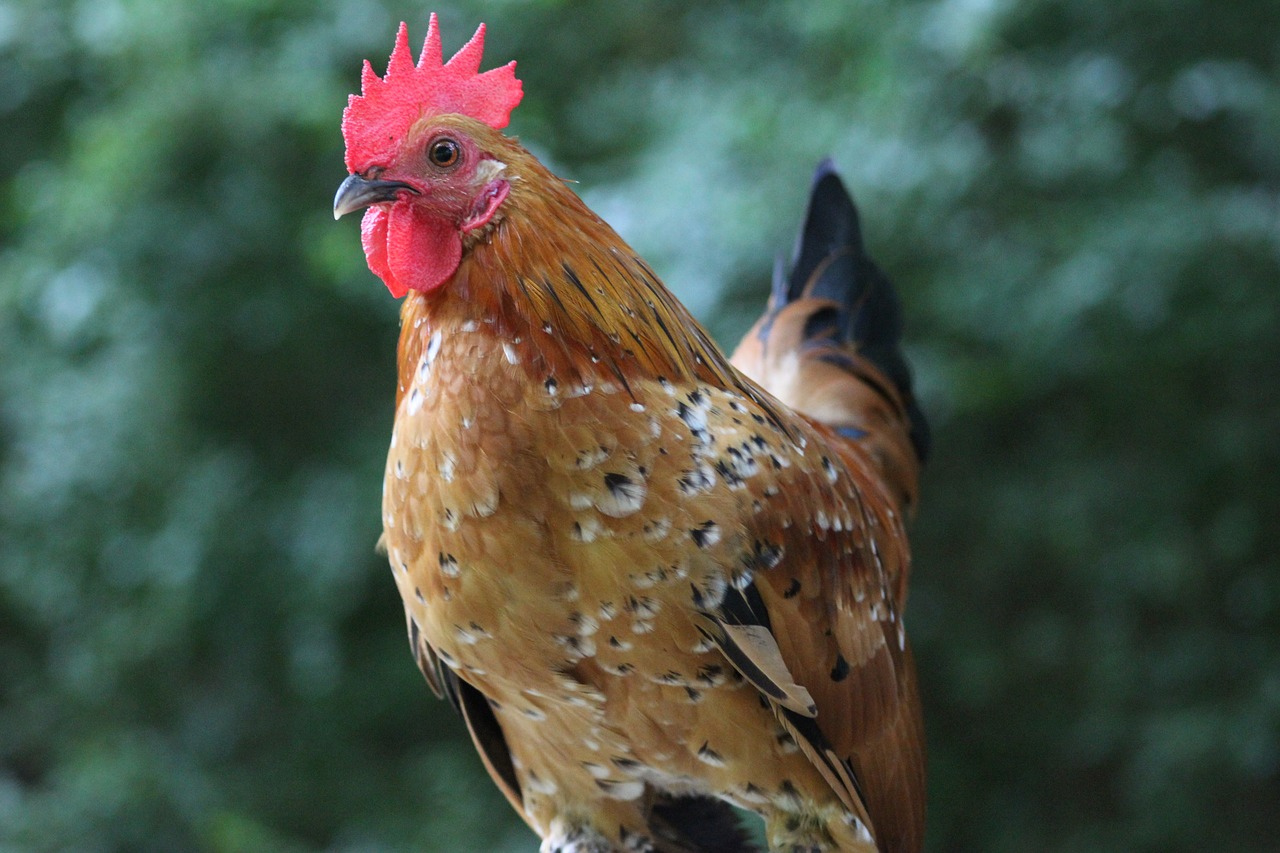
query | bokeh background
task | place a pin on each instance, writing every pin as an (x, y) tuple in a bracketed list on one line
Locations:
[(1079, 200)]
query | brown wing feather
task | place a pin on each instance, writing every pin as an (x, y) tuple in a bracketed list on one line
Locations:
[(835, 600), (840, 635), (483, 726), (490, 742)]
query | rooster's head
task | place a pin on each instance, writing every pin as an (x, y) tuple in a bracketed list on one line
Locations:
[(426, 158)]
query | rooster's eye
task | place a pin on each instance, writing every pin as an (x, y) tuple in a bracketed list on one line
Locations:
[(444, 152)]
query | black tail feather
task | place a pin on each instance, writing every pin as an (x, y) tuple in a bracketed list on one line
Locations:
[(831, 227), (831, 263)]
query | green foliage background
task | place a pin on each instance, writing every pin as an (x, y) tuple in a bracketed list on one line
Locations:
[(1079, 199)]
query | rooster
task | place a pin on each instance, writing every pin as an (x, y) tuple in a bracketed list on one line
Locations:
[(656, 582)]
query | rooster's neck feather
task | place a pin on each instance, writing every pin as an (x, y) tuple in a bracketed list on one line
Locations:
[(557, 264), (551, 270)]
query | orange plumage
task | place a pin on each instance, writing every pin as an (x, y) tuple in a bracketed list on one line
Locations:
[(652, 584)]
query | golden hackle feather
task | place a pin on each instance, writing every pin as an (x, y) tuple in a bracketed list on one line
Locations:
[(557, 265)]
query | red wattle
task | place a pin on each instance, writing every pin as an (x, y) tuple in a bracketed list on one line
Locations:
[(373, 236), (408, 249)]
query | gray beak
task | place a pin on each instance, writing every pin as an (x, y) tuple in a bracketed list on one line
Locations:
[(357, 193)]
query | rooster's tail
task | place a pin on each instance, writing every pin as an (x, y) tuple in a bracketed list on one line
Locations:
[(829, 344)]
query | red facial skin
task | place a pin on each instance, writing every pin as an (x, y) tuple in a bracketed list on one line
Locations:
[(416, 241)]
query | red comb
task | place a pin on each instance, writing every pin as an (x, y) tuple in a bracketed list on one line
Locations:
[(377, 119)]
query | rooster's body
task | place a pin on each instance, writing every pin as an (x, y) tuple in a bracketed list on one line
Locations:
[(651, 587)]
